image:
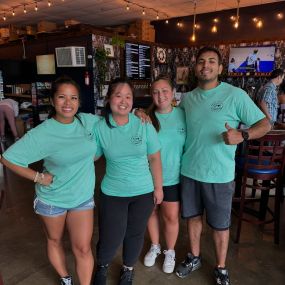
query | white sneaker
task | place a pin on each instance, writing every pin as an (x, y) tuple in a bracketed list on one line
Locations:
[(169, 261), (152, 254)]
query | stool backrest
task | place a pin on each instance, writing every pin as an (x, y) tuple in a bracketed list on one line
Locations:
[(266, 153)]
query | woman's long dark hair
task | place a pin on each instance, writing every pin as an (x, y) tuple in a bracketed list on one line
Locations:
[(54, 89), (152, 107), (111, 89)]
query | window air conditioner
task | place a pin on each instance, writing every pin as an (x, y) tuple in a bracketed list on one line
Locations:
[(70, 56)]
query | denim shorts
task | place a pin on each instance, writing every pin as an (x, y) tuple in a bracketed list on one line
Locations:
[(44, 209)]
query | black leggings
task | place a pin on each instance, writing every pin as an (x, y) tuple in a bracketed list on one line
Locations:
[(122, 220)]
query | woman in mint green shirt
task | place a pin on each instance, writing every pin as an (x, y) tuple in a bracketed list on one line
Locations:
[(132, 183), (65, 188), (170, 125)]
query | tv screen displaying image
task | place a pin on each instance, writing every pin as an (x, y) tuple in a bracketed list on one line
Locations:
[(138, 62), (258, 60)]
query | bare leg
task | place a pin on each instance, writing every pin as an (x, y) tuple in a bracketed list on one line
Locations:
[(221, 240), (170, 215), (153, 226), (54, 227), (80, 227), (195, 230)]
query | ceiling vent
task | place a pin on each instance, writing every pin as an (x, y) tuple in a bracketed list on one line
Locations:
[(70, 56)]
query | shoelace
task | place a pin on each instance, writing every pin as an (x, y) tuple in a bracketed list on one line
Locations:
[(169, 258), (154, 251)]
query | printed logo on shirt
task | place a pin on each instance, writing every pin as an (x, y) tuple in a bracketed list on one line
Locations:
[(181, 130), (216, 106), (136, 140)]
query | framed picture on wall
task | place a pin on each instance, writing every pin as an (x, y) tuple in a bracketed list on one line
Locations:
[(109, 49), (182, 74)]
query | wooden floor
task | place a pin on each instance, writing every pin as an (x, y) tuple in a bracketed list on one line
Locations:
[(23, 260)]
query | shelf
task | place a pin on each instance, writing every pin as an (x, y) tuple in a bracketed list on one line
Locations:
[(17, 95)]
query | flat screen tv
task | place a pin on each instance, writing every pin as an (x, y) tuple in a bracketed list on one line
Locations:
[(137, 61), (253, 60)]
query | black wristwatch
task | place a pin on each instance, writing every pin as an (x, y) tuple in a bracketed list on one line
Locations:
[(245, 135)]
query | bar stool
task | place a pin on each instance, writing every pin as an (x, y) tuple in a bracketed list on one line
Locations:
[(263, 162)]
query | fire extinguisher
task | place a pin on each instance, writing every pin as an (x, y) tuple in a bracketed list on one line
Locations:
[(87, 78)]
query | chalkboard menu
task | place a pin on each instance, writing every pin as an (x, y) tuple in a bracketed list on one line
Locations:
[(138, 62)]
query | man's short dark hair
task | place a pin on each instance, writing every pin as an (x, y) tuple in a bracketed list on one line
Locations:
[(276, 72), (212, 49)]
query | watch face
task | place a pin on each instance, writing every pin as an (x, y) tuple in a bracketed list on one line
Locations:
[(161, 55)]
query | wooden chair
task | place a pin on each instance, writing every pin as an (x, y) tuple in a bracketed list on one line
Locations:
[(264, 163), (1, 204)]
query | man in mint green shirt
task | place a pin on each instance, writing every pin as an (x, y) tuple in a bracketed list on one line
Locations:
[(213, 112)]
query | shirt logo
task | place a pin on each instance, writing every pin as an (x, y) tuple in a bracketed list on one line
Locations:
[(136, 140), (181, 130), (216, 106)]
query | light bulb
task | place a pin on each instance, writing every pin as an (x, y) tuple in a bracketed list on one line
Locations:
[(13, 12), (214, 29), (259, 24), (49, 3), (193, 38), (236, 24), (25, 10), (143, 12), (166, 21)]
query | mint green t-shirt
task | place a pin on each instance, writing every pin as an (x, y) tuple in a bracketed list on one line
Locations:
[(126, 149), (68, 151), (172, 136), (207, 158)]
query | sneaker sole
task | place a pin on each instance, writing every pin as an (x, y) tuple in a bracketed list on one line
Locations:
[(168, 271), (193, 269), (149, 264)]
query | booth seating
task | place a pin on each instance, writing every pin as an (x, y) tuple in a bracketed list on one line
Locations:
[(260, 169)]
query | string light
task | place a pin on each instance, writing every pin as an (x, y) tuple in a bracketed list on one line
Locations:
[(145, 9), (36, 6), (259, 24), (214, 29), (13, 12), (193, 37), (4, 17), (280, 16), (236, 24), (49, 3), (25, 10)]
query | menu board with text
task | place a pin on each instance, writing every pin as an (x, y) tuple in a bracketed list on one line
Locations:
[(138, 61)]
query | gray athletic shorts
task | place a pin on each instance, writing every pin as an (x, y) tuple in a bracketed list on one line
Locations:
[(215, 198)]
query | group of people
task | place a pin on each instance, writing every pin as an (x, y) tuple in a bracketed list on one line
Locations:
[(181, 163)]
